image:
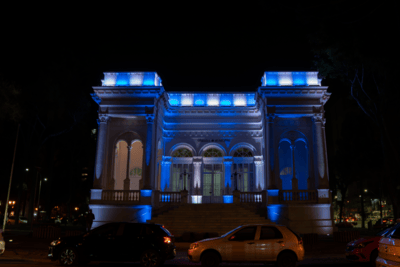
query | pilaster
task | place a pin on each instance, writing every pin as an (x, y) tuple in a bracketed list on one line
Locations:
[(259, 174), (101, 143), (165, 173), (321, 177), (149, 138), (295, 181), (197, 162), (228, 173), (272, 160)]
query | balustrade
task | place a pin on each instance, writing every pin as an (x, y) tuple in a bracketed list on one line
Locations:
[(298, 195), (170, 197), (251, 197), (121, 196)]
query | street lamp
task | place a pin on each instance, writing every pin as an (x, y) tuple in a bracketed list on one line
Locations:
[(183, 175), (235, 176), (40, 187)]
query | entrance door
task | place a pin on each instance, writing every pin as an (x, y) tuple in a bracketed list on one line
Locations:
[(212, 183)]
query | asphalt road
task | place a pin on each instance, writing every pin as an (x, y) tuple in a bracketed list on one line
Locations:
[(181, 260)]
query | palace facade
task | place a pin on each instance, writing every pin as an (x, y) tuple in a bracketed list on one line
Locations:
[(265, 147)]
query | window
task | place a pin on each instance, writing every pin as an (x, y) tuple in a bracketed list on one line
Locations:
[(135, 164), (270, 233), (243, 152), (247, 233), (132, 229), (245, 176), (182, 153), (212, 153), (179, 180)]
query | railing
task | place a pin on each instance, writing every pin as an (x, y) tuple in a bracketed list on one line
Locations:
[(121, 195), (251, 197), (298, 195), (170, 197)]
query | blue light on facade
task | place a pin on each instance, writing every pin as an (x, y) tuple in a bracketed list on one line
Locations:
[(143, 213), (299, 78), (174, 99), (226, 100), (149, 78), (273, 192), (200, 99), (274, 212), (145, 192), (228, 199), (272, 78), (122, 79), (251, 101)]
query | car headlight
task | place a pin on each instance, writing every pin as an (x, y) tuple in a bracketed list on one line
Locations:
[(55, 242), (193, 245), (363, 245)]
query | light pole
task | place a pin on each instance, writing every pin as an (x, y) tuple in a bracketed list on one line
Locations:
[(235, 176), (183, 175), (40, 187)]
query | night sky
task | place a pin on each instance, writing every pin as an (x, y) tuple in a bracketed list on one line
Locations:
[(192, 46)]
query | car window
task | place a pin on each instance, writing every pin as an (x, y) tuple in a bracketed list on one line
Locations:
[(231, 231), (247, 233), (146, 230), (396, 233), (132, 229), (269, 232), (106, 230)]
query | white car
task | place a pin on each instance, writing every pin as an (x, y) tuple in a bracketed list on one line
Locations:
[(2, 243), (389, 248), (265, 243)]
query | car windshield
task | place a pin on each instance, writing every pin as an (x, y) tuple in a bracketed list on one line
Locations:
[(231, 231), (384, 231)]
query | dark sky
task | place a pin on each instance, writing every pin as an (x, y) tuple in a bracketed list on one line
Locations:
[(198, 44)]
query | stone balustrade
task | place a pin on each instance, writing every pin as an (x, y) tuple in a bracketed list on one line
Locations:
[(118, 196), (253, 197), (298, 196)]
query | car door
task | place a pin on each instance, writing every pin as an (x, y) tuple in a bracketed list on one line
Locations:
[(389, 246), (242, 244), (131, 241), (100, 243), (269, 243)]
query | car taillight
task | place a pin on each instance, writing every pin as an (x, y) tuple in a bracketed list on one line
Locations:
[(167, 239)]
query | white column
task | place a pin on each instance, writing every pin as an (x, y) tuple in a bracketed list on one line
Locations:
[(259, 174), (197, 162), (101, 142), (165, 173), (322, 179)]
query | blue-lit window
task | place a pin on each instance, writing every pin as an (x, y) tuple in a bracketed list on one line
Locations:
[(182, 174)]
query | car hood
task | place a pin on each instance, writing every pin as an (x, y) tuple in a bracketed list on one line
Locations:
[(364, 239), (208, 239)]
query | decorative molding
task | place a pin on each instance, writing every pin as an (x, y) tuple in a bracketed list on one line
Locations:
[(325, 97), (150, 118), (103, 118), (318, 117)]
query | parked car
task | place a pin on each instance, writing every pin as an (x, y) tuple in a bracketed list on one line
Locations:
[(365, 249), (151, 244), (2, 243), (389, 248), (250, 243)]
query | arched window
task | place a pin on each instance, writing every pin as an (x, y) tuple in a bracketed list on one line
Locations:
[(212, 153), (120, 164), (135, 165), (243, 152), (243, 170), (182, 153)]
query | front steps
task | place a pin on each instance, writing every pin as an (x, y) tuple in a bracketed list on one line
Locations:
[(207, 218)]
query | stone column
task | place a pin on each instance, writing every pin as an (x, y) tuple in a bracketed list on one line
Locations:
[(101, 145), (149, 135), (127, 181), (321, 178), (270, 154), (165, 173), (228, 173), (197, 162), (295, 181), (259, 174)]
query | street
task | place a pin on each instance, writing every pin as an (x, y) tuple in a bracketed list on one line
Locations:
[(181, 260)]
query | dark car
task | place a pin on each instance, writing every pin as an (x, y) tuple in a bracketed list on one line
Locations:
[(151, 244)]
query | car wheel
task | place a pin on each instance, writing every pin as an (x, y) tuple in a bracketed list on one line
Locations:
[(209, 259), (286, 259), (373, 256), (151, 258), (68, 257)]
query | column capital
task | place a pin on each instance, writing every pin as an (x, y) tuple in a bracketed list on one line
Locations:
[(103, 118), (318, 117), (271, 117), (228, 160), (150, 118), (259, 162), (166, 160)]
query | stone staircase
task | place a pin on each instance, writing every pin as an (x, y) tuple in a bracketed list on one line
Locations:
[(207, 218)]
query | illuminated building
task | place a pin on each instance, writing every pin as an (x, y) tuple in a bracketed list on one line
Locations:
[(268, 144)]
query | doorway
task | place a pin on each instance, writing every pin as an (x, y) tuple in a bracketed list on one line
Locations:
[(212, 183)]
